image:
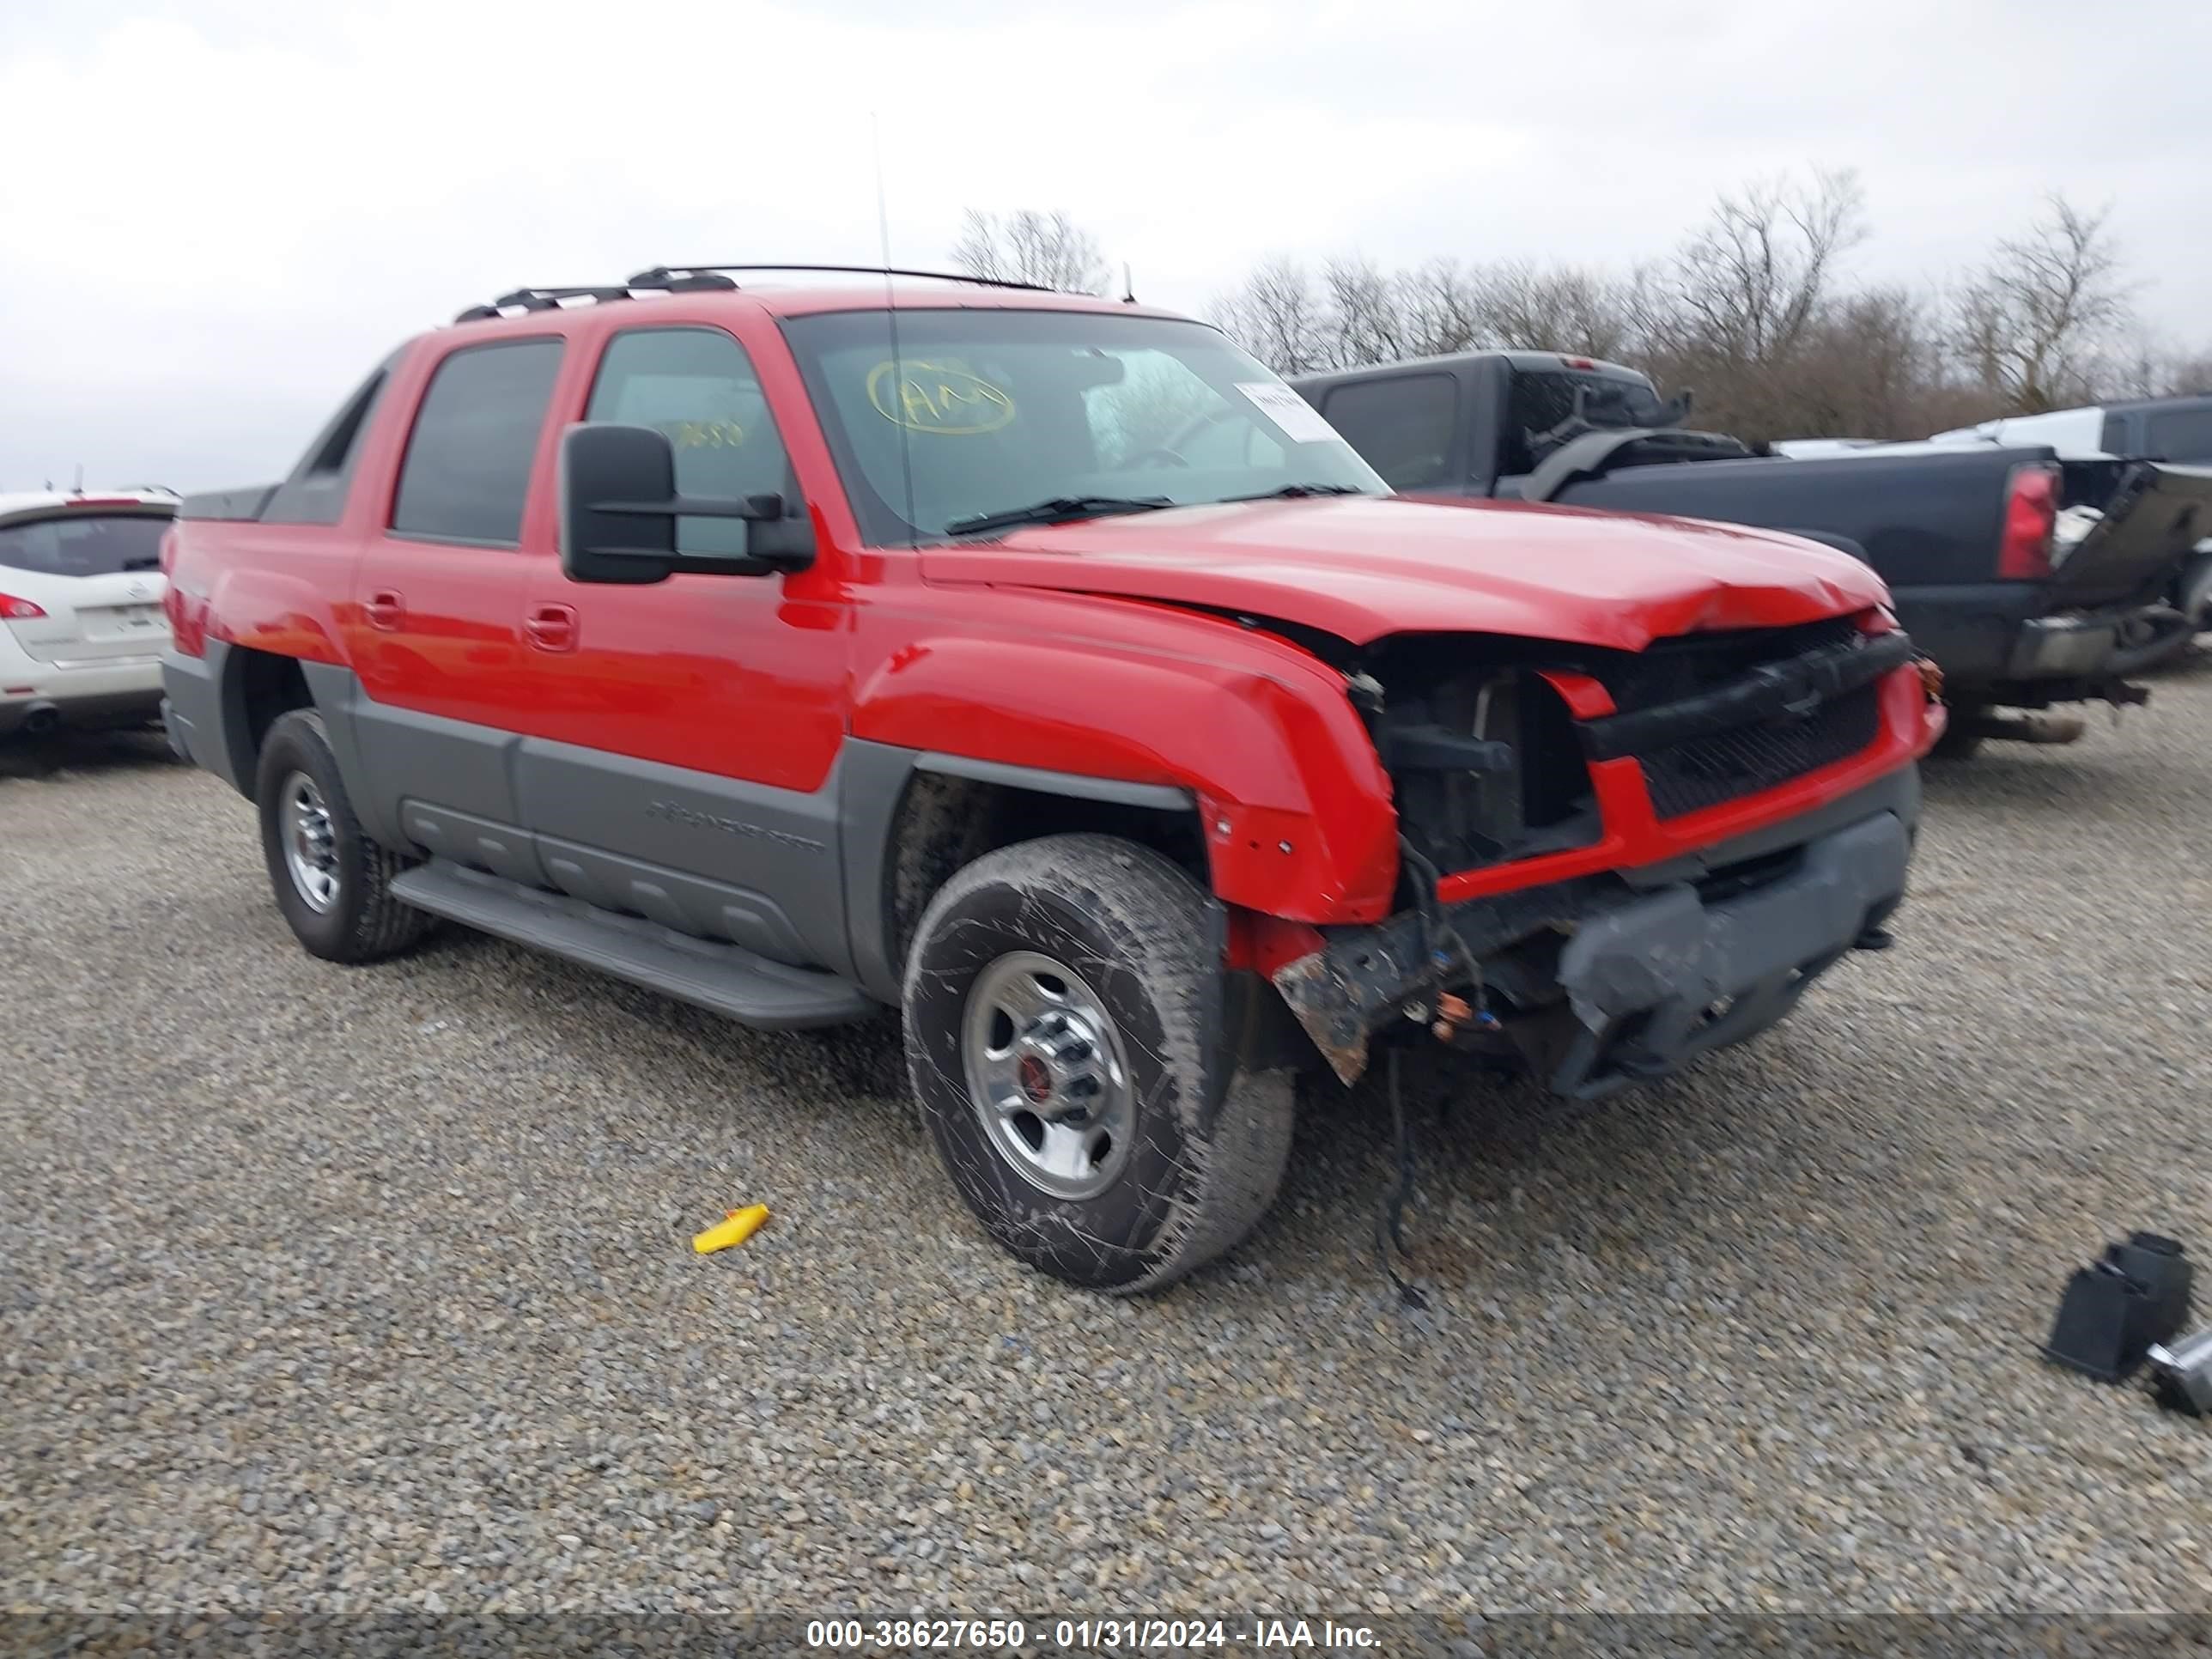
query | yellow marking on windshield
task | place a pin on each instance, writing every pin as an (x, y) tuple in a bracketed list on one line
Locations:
[(940, 399)]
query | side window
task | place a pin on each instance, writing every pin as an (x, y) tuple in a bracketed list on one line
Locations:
[(2181, 435), (315, 491), (335, 450), (697, 385), (1402, 425), (468, 463), (1537, 400)]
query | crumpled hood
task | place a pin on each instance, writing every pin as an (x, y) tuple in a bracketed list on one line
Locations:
[(1363, 566)]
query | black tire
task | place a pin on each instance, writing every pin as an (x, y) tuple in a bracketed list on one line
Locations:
[(1956, 744), (361, 921), (1209, 1143)]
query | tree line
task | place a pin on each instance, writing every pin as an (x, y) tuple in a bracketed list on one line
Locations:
[(1755, 309)]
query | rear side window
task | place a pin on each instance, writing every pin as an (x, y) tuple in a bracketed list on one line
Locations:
[(1401, 426), (2181, 435), (467, 470), (84, 544), (1539, 400), (315, 493), (697, 385)]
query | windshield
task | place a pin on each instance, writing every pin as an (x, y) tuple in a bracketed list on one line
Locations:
[(84, 544), (996, 411)]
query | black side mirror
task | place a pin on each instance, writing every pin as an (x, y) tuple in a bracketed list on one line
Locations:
[(619, 507)]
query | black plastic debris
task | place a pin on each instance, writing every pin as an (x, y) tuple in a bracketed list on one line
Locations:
[(2181, 1375), (2134, 1295)]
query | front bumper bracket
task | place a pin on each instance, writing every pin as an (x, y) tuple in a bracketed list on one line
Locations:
[(1652, 979)]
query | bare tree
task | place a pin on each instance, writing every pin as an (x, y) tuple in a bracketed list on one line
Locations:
[(1442, 303), (1278, 316), (2187, 377), (1029, 246), (1751, 310), (1734, 310), (2037, 323), (1365, 314), (1873, 365), (1563, 308), (1748, 284)]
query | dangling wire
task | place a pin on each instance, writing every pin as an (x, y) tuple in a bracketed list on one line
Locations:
[(1390, 1220), (1440, 941)]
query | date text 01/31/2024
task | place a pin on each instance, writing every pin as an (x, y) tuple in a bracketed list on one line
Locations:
[(1088, 1635)]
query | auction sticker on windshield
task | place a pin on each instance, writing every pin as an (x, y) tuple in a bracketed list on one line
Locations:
[(941, 398), (1297, 419)]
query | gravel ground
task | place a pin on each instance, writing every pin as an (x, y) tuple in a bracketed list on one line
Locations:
[(365, 1289)]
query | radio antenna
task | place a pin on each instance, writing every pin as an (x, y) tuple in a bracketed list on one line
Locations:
[(890, 315)]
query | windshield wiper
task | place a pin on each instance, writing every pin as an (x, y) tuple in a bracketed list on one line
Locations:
[(1057, 510), (1293, 491)]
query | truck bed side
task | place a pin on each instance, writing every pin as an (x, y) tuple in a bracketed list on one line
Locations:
[(1929, 520)]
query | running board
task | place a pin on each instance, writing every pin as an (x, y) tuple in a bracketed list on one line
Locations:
[(726, 978)]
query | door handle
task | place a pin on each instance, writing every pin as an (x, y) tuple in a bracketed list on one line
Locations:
[(385, 608), (551, 627)]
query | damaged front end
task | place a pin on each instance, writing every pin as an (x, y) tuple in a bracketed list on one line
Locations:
[(1598, 984), (1620, 974)]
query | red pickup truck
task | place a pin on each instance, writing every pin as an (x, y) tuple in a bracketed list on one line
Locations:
[(799, 651)]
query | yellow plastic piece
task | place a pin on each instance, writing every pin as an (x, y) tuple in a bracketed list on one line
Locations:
[(740, 1225)]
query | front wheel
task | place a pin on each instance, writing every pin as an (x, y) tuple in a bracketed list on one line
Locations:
[(1063, 1036), (332, 883)]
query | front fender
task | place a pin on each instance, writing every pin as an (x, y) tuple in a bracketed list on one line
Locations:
[(1296, 806)]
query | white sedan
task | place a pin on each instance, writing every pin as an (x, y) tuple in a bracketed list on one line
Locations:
[(81, 626)]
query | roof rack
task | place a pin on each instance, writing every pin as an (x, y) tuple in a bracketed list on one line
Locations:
[(692, 279), (663, 273), (549, 299)]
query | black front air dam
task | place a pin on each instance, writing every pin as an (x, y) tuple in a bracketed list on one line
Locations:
[(1652, 979)]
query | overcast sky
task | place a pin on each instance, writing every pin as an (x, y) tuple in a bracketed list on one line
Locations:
[(216, 216)]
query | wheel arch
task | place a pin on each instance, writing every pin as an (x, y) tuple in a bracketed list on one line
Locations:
[(254, 688), (913, 817), (1264, 742)]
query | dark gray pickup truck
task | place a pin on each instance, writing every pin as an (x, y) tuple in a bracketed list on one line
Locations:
[(2017, 617)]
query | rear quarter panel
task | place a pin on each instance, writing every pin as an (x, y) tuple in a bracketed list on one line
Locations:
[(271, 587)]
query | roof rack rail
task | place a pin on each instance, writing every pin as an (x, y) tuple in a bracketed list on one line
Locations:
[(549, 299), (692, 279), (660, 274)]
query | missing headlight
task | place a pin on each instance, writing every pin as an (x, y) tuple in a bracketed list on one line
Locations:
[(1484, 767)]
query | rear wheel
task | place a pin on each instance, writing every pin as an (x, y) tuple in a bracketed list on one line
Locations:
[(332, 881), (1063, 1037)]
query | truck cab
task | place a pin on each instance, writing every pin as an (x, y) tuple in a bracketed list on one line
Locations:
[(807, 650)]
